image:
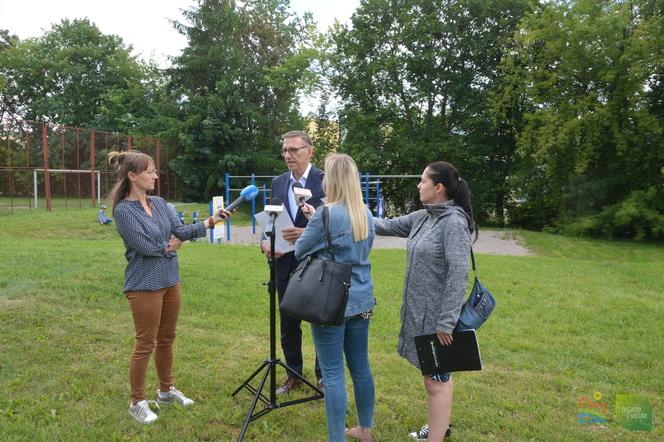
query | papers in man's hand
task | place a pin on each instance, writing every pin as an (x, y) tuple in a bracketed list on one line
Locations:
[(282, 222)]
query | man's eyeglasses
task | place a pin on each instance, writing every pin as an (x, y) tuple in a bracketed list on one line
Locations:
[(291, 150)]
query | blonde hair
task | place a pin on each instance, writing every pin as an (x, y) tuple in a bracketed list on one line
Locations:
[(342, 185), (123, 163)]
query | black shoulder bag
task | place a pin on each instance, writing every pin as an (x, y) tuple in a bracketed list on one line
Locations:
[(317, 291)]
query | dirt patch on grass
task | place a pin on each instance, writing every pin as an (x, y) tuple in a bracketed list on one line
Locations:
[(11, 303)]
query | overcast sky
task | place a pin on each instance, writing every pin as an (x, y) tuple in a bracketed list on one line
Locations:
[(144, 24)]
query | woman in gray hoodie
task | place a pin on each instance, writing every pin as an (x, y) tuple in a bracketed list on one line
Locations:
[(436, 277)]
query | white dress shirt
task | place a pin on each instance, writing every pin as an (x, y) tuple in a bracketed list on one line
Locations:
[(291, 195)]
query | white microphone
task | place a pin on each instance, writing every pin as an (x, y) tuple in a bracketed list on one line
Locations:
[(301, 194), (275, 207), (273, 210)]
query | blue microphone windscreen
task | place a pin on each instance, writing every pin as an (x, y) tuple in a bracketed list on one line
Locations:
[(249, 193)]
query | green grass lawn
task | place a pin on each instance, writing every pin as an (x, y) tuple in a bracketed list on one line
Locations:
[(75, 208), (583, 316)]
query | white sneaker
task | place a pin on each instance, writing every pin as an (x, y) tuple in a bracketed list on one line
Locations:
[(142, 413), (421, 435), (173, 395)]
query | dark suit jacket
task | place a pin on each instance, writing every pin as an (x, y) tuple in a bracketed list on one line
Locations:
[(280, 185)]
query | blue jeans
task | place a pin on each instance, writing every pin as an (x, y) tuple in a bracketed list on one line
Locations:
[(351, 339)]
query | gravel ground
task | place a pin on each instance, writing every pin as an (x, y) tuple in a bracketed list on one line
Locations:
[(492, 242)]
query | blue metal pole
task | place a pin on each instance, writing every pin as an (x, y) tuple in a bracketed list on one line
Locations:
[(227, 178), (377, 195), (264, 196), (366, 188), (253, 206), (359, 176), (211, 230)]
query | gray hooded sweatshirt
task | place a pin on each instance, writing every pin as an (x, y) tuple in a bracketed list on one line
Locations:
[(436, 270)]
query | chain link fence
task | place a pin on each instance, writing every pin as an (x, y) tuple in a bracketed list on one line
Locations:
[(46, 166)]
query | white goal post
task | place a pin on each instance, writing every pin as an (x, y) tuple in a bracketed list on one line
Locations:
[(34, 179)]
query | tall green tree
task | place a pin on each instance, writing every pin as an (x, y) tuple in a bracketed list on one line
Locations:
[(8, 102), (414, 77), (238, 83), (75, 75), (587, 78)]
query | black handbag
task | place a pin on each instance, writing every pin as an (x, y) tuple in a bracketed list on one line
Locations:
[(478, 306), (318, 289)]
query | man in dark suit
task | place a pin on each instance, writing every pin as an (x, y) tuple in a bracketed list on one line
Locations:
[(297, 151)]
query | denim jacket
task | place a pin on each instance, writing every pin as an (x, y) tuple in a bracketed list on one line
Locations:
[(360, 297)]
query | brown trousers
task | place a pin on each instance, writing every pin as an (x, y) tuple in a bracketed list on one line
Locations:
[(155, 315)]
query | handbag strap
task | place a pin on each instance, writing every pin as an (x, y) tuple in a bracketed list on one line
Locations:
[(328, 240), (472, 259)]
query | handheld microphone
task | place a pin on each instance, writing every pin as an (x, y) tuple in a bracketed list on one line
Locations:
[(301, 194), (247, 194)]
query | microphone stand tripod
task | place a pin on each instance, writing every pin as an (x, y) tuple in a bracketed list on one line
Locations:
[(269, 366)]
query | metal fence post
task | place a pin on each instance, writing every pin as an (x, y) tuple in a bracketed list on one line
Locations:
[(47, 177), (227, 179), (92, 168)]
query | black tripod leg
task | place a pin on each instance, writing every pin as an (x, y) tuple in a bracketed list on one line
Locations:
[(272, 362), (300, 377), (249, 379), (255, 401)]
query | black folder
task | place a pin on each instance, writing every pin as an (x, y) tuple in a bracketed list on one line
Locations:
[(462, 355)]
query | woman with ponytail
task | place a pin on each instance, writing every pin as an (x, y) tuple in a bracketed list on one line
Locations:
[(436, 277), (352, 234), (152, 232)]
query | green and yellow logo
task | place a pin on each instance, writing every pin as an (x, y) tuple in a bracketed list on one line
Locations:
[(633, 412)]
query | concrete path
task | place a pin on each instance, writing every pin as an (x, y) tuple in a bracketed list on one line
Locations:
[(492, 242)]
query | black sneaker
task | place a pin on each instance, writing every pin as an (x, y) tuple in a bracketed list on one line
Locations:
[(423, 434)]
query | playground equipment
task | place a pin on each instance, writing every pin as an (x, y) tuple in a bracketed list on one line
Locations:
[(215, 234), (102, 218), (194, 219), (262, 190), (194, 216), (370, 185)]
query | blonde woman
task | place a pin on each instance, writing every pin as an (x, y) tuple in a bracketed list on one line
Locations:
[(352, 234), (152, 232)]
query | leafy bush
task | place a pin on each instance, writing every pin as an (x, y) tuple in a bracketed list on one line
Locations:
[(639, 216)]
